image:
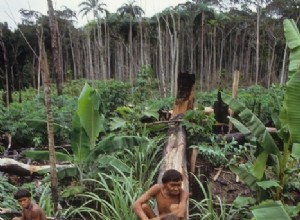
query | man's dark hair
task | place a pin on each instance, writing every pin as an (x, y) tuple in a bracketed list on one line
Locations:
[(171, 176), (22, 193)]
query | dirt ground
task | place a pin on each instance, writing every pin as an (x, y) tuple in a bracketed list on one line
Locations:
[(224, 186)]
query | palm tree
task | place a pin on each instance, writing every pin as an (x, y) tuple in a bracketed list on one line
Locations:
[(94, 6), (132, 11)]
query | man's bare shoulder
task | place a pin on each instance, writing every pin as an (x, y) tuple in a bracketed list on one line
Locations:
[(155, 189), (36, 207)]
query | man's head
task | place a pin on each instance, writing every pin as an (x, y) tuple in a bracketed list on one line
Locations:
[(24, 198), (172, 180), (171, 176)]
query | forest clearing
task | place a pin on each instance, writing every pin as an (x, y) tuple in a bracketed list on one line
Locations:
[(92, 117)]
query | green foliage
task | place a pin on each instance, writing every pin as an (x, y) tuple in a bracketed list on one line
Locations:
[(6, 194), (205, 209), (262, 101), (113, 94), (218, 154), (120, 179), (26, 121), (128, 121), (145, 84), (198, 125), (270, 210), (257, 175)]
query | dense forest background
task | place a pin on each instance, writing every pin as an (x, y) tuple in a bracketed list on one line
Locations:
[(209, 38)]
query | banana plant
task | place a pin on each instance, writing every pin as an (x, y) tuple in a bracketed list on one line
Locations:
[(289, 132), (88, 150)]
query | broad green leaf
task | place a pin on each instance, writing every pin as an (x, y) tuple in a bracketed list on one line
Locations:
[(292, 97), (111, 161), (296, 150), (44, 155), (259, 166), (72, 191), (80, 142), (70, 172), (115, 143), (290, 112), (151, 113), (291, 33), (245, 175), (253, 124), (116, 123), (270, 210), (242, 201), (88, 112), (268, 184), (242, 128), (234, 105), (259, 131)]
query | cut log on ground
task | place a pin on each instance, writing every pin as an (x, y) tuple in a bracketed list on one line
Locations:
[(174, 154), (11, 166)]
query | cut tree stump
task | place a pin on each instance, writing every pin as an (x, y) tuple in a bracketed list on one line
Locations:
[(174, 154)]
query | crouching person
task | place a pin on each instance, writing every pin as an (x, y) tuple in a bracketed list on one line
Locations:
[(170, 198), (30, 210)]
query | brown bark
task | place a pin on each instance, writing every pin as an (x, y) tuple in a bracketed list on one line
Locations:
[(50, 129), (174, 156), (56, 47), (185, 95)]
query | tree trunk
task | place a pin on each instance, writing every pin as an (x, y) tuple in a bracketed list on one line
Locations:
[(52, 160), (257, 42), (161, 66), (7, 92), (56, 50), (174, 156)]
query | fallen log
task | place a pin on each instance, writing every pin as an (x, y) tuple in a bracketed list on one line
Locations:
[(12, 166), (174, 154)]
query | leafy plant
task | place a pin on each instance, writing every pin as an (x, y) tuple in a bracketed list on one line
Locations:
[(206, 209), (121, 178), (145, 84), (198, 125), (218, 154), (253, 129)]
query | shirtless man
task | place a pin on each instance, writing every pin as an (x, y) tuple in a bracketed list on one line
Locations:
[(30, 211), (171, 199)]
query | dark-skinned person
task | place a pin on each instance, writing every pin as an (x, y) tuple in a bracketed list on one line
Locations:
[(30, 210), (171, 199)]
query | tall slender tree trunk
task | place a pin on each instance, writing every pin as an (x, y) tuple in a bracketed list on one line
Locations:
[(257, 42), (52, 159), (7, 95), (202, 52), (161, 67), (56, 47), (90, 58), (73, 53), (283, 69)]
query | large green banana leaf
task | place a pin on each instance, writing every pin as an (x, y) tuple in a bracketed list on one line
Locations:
[(80, 141), (270, 210), (251, 126), (89, 113), (44, 155), (290, 115), (253, 129), (113, 143)]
